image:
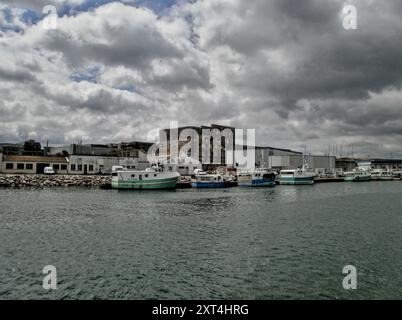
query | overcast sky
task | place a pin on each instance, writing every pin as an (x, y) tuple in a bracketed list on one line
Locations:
[(114, 70)]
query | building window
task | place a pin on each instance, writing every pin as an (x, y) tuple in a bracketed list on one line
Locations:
[(56, 167), (9, 166), (80, 167), (64, 167), (20, 166), (91, 167), (73, 167), (29, 166)]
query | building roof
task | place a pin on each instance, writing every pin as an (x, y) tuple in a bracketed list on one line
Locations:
[(278, 149), (346, 160), (380, 161), (136, 144), (35, 159)]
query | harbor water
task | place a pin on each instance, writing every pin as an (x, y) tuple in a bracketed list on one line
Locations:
[(284, 242)]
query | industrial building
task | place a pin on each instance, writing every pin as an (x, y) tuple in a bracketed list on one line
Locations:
[(319, 164), (174, 143), (385, 164), (345, 164), (12, 164), (81, 164), (226, 145), (99, 158), (263, 155), (83, 149), (123, 149), (27, 148)]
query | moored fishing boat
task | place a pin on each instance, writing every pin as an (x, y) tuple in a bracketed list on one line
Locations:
[(152, 178), (357, 176), (296, 176), (380, 174), (257, 178), (202, 179)]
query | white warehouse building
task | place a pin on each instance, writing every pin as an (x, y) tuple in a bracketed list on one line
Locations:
[(319, 164), (79, 164)]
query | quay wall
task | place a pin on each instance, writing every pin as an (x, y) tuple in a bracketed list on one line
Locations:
[(20, 180)]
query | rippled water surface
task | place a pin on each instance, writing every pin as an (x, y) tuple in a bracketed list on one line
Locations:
[(288, 242)]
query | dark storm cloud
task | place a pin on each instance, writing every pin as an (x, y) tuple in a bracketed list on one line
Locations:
[(17, 75), (325, 60), (98, 101)]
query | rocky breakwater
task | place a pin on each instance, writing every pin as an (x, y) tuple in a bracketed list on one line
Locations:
[(21, 181)]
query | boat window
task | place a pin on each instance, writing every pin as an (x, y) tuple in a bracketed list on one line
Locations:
[(155, 175), (146, 176), (133, 176), (114, 174)]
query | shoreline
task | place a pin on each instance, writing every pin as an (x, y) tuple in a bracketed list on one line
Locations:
[(37, 180), (16, 181)]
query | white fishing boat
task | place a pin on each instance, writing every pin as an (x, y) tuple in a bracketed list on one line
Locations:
[(152, 178), (357, 176), (256, 178), (297, 176), (382, 174)]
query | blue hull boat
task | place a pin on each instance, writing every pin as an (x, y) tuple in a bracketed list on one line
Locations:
[(257, 178), (209, 185)]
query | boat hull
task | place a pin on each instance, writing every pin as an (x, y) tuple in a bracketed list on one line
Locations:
[(296, 180), (257, 183), (382, 178), (167, 183), (357, 179), (210, 184)]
